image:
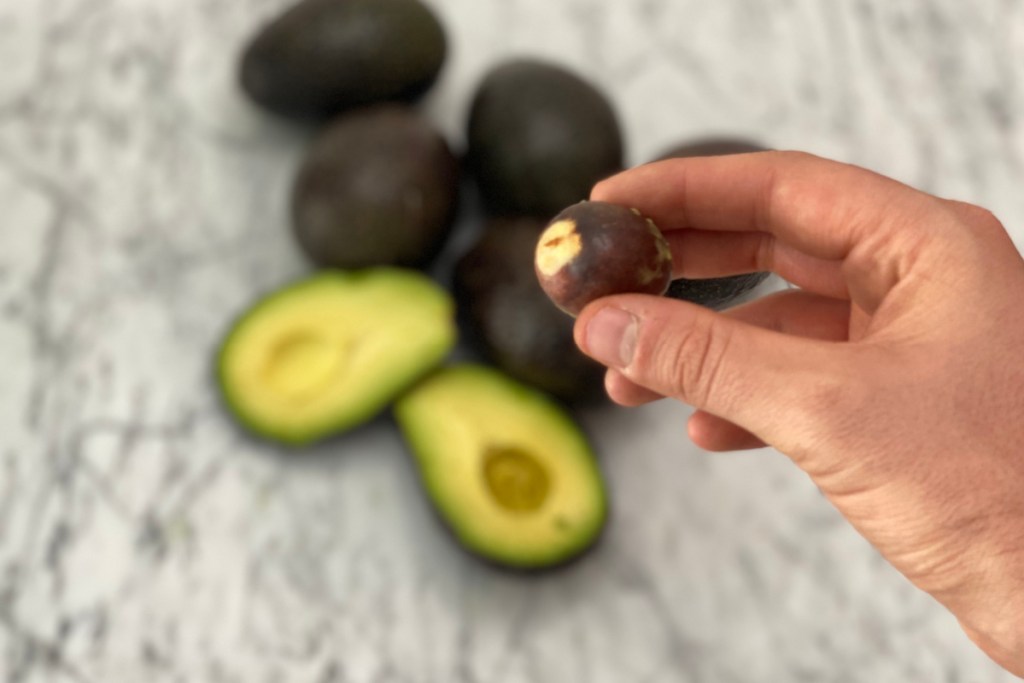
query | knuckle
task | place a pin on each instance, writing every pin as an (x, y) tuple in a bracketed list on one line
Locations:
[(976, 219), (691, 361), (831, 408)]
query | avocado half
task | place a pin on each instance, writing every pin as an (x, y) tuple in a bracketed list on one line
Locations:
[(330, 352), (507, 470)]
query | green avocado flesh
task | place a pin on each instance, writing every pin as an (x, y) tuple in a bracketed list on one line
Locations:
[(507, 469), (330, 352)]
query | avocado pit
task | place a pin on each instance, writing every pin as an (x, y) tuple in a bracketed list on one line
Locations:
[(595, 249)]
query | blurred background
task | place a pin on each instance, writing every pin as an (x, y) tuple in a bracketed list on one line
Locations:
[(144, 537)]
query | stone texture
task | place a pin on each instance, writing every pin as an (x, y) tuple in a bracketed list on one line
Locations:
[(143, 538)]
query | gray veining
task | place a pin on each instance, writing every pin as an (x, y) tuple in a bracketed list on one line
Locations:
[(143, 538)]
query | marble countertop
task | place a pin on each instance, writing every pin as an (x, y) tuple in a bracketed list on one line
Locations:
[(144, 538)]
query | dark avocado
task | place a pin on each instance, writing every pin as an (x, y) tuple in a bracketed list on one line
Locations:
[(507, 470), (539, 138), (510, 320), (716, 292), (322, 57), (712, 147), (595, 249), (379, 187)]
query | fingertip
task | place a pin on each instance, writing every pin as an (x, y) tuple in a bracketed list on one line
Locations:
[(624, 392), (697, 431), (713, 434), (600, 190), (612, 188), (579, 329)]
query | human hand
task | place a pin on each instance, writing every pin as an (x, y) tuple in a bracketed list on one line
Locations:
[(894, 376)]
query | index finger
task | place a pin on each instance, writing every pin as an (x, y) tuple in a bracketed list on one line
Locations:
[(824, 208)]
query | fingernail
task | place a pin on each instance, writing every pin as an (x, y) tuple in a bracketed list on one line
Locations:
[(611, 337)]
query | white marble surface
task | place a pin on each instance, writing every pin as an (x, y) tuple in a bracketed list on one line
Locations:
[(143, 538)]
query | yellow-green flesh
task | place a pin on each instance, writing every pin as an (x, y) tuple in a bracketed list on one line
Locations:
[(507, 469), (331, 351)]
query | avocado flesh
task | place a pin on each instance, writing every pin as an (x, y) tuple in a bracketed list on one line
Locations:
[(330, 352), (507, 470)]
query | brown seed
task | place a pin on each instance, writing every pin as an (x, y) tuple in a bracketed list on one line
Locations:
[(596, 249)]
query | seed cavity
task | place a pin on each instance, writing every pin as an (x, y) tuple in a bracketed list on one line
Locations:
[(300, 364), (515, 479)]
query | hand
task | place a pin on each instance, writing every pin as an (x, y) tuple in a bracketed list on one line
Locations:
[(894, 376)]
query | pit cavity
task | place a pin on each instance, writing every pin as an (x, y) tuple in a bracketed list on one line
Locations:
[(301, 364), (515, 479)]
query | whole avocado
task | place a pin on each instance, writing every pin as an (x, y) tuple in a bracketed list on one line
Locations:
[(717, 292), (539, 137), (378, 187), (512, 322), (322, 57), (712, 147)]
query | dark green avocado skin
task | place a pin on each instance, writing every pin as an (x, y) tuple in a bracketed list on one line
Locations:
[(510, 320), (712, 147), (379, 187), (719, 292), (715, 293), (539, 137), (322, 57)]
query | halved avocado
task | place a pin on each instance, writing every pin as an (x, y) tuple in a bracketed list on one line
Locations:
[(331, 351), (508, 471)]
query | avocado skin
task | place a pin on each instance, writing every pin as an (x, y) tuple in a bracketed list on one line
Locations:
[(509, 319), (718, 292), (379, 187), (712, 147), (539, 138), (322, 57)]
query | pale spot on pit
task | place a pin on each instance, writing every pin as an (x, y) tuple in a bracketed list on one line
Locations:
[(559, 244), (664, 251)]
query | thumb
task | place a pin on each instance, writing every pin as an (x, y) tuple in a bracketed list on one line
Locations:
[(762, 380)]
